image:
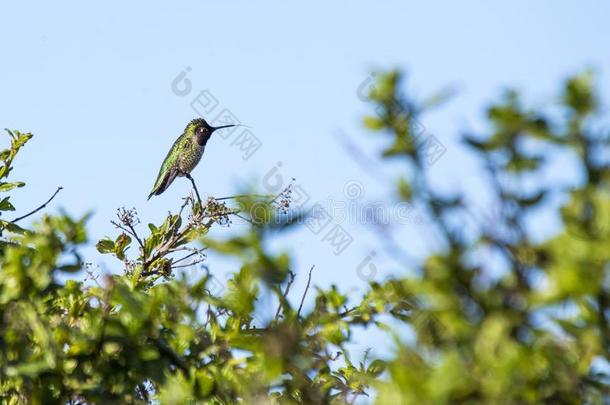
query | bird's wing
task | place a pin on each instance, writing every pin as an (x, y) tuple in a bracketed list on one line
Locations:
[(168, 170)]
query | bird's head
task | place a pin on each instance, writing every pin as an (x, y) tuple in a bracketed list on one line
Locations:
[(201, 130)]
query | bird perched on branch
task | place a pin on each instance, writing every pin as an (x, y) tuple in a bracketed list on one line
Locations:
[(184, 155)]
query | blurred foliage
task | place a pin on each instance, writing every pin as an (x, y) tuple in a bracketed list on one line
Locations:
[(498, 315), (517, 320)]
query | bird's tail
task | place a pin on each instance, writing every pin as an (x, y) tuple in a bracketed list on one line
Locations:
[(163, 182)]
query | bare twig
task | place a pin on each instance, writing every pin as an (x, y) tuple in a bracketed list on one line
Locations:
[(305, 292), (193, 263), (182, 249), (286, 189), (347, 311), (244, 218), (186, 257), (290, 281), (235, 197), (91, 274), (121, 227), (135, 235), (39, 208), (186, 202)]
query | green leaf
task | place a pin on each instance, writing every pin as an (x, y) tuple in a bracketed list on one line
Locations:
[(70, 268), (405, 191), (579, 93), (373, 123), (9, 186), (105, 246), (5, 205), (121, 243), (11, 227), (376, 368)]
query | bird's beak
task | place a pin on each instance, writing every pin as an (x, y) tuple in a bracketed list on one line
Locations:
[(222, 126)]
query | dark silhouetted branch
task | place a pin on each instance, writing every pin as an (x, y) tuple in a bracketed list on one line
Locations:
[(39, 208), (286, 291), (305, 292)]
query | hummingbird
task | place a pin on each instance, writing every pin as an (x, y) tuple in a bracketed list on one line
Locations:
[(184, 155)]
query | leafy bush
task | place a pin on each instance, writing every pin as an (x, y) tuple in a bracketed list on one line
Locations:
[(535, 331)]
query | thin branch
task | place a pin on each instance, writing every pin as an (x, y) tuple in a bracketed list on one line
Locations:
[(121, 227), (288, 187), (187, 199), (135, 235), (305, 292), (244, 218), (39, 208), (185, 257), (234, 197), (290, 281), (347, 311), (193, 263), (182, 249)]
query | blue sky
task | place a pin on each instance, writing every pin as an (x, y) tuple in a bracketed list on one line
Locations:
[(94, 84)]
